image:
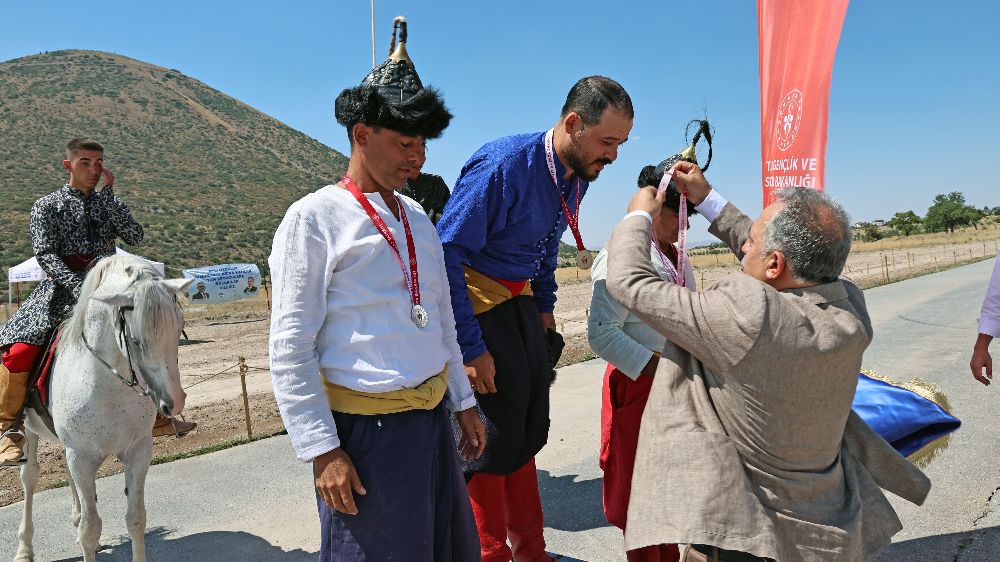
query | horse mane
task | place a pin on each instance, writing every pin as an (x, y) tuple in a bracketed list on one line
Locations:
[(126, 270), (156, 311)]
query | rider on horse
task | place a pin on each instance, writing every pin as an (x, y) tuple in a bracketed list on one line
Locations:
[(70, 230)]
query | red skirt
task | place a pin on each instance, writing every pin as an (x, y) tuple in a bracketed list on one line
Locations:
[(622, 404)]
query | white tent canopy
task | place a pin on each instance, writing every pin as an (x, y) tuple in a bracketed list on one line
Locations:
[(29, 270)]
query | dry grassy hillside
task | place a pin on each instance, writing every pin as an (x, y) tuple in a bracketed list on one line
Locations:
[(208, 176)]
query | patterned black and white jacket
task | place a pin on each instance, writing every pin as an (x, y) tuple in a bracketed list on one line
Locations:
[(66, 223)]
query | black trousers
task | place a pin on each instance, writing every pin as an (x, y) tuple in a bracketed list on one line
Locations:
[(726, 555), (517, 415)]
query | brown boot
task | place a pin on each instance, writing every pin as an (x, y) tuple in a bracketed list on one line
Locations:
[(172, 426), (13, 389)]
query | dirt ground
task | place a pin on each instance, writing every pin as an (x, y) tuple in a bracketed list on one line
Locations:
[(220, 334)]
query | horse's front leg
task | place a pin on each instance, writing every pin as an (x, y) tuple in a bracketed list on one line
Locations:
[(83, 471), (74, 501), (136, 467), (29, 480)]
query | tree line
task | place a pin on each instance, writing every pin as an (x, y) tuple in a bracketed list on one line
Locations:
[(947, 212)]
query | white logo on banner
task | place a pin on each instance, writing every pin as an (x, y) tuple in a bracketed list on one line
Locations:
[(789, 119)]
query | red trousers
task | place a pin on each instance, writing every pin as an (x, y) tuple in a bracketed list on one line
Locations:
[(622, 403), (508, 506), (20, 358)]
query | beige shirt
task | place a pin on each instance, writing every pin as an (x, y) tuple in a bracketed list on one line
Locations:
[(748, 441)]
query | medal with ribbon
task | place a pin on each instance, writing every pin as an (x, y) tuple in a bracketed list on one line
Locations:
[(584, 259), (667, 168), (418, 314)]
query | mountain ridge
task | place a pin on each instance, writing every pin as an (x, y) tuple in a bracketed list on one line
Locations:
[(208, 176)]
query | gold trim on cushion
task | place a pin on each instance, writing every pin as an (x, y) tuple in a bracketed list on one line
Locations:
[(929, 391)]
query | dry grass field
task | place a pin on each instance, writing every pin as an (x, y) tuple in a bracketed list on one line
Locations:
[(869, 265)]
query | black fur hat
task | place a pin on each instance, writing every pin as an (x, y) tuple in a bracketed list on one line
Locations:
[(393, 97), (651, 175)]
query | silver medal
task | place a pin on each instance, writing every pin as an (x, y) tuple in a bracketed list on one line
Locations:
[(584, 259), (419, 315)]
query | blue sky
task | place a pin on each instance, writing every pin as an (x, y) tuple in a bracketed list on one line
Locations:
[(913, 106)]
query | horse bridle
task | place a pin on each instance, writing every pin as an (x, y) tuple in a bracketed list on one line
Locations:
[(123, 338)]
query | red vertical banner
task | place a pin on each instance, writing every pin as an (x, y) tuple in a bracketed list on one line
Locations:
[(798, 41)]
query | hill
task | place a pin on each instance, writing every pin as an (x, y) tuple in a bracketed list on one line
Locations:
[(208, 176)]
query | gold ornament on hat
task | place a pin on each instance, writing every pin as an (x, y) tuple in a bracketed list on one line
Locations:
[(396, 79), (398, 52)]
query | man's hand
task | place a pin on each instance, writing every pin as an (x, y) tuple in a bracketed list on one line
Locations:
[(647, 199), (473, 439), (981, 359), (481, 372), (109, 179), (548, 320), (691, 182), (335, 478), (650, 368)]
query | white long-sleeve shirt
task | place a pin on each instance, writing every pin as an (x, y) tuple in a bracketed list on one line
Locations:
[(341, 311), (615, 333), (989, 320)]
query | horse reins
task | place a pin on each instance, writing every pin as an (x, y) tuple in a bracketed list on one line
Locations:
[(132, 383)]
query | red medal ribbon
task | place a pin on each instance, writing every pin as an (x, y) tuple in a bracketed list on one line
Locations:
[(676, 277), (682, 220), (412, 279), (682, 226), (573, 221)]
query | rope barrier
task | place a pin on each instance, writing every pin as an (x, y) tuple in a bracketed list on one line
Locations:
[(226, 370), (209, 377)]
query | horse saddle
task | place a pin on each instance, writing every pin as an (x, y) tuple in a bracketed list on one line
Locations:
[(41, 381)]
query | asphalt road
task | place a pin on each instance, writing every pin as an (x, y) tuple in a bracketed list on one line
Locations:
[(926, 327), (254, 502)]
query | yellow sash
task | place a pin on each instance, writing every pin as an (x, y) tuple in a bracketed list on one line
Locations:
[(425, 396), (486, 292)]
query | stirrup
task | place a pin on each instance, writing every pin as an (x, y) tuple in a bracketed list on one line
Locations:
[(172, 424), (24, 440), (13, 431)]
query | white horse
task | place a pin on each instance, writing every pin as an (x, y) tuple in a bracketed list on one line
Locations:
[(116, 366)]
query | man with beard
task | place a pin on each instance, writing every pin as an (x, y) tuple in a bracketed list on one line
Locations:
[(501, 229)]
